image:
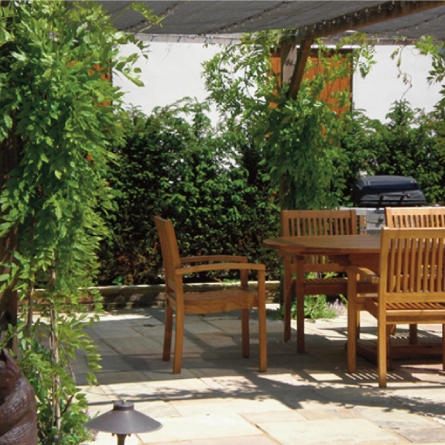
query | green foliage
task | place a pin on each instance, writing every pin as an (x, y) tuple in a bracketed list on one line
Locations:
[(174, 165), (300, 138), (55, 98), (437, 74), (405, 145), (315, 306)]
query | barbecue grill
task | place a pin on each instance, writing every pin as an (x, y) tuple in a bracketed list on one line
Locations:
[(373, 193)]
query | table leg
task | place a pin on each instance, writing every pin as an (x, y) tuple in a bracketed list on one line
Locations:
[(287, 297), (300, 260), (352, 321)]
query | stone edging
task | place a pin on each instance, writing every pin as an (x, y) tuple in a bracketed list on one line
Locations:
[(149, 295)]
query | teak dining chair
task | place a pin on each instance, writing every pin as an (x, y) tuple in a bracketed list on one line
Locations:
[(411, 287), (305, 223), (414, 217), (208, 302)]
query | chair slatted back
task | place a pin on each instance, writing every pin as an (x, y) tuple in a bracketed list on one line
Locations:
[(412, 265), (170, 252), (415, 217), (319, 223)]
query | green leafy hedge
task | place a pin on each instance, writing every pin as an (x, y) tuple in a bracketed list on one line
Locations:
[(215, 187), (406, 145), (214, 192)]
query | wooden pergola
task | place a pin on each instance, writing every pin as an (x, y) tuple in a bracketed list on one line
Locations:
[(307, 21)]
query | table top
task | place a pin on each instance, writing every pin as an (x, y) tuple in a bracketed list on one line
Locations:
[(333, 245)]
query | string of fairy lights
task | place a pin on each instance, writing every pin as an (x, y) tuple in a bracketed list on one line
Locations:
[(255, 17), (321, 27)]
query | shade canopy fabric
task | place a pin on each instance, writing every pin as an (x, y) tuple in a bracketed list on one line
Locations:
[(308, 19)]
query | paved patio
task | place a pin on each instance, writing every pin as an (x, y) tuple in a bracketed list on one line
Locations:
[(221, 399)]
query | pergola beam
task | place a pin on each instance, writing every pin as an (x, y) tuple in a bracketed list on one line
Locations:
[(304, 37), (297, 77), (361, 18)]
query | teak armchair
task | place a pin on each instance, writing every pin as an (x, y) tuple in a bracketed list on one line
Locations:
[(411, 287), (304, 223), (182, 303)]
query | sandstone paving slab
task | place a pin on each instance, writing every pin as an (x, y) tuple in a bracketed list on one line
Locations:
[(148, 329), (141, 390), (147, 362), (217, 341), (244, 440), (329, 432), (135, 345), (321, 376), (328, 412), (287, 415), (274, 327), (395, 418), (200, 427), (184, 389), (201, 327), (314, 396), (213, 369), (231, 326), (422, 435), (426, 400), (241, 386), (279, 377), (102, 438), (218, 406), (119, 377), (115, 331), (143, 320), (166, 373)]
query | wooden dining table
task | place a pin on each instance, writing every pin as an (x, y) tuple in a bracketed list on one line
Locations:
[(357, 250), (346, 250)]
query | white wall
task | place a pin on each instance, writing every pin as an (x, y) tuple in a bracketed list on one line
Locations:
[(377, 92), (173, 71)]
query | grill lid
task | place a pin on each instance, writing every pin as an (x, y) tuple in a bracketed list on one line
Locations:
[(383, 191)]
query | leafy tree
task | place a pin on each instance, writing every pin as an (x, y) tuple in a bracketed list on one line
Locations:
[(428, 46), (59, 107), (300, 138)]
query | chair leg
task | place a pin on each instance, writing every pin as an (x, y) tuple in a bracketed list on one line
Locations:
[(262, 322), (443, 347), (179, 341), (245, 332), (382, 341), (413, 340), (167, 331), (357, 323), (287, 298), (300, 304)]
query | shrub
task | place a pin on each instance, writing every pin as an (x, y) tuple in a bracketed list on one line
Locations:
[(405, 145), (180, 169)]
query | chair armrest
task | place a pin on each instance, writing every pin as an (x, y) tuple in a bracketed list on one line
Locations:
[(207, 258), (220, 266), (366, 273)]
